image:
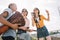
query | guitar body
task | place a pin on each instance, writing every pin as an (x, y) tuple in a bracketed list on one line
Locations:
[(3, 29)]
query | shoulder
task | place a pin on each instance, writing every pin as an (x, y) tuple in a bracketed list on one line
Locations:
[(8, 10), (41, 15)]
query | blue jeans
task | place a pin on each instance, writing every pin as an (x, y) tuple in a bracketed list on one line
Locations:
[(24, 36)]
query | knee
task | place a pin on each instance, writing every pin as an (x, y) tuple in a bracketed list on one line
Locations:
[(41, 38), (48, 37)]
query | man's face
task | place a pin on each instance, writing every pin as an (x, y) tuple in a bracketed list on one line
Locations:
[(14, 7)]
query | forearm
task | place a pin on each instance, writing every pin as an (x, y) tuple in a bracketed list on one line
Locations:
[(33, 23), (48, 17), (4, 21), (23, 28), (20, 28)]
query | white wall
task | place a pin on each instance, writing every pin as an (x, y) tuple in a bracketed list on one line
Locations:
[(51, 5)]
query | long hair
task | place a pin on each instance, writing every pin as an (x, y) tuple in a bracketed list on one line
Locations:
[(37, 21), (38, 10), (38, 13)]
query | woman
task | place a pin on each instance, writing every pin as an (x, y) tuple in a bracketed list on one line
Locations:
[(22, 32), (37, 20)]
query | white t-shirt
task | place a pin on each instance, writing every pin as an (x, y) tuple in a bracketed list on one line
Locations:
[(26, 22)]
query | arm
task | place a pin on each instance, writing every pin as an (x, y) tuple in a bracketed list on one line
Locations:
[(33, 22), (26, 29), (5, 22), (47, 15), (23, 28)]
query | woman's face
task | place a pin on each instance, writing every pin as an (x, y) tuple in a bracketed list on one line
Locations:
[(24, 12), (36, 12)]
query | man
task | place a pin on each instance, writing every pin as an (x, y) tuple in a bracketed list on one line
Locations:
[(10, 34)]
